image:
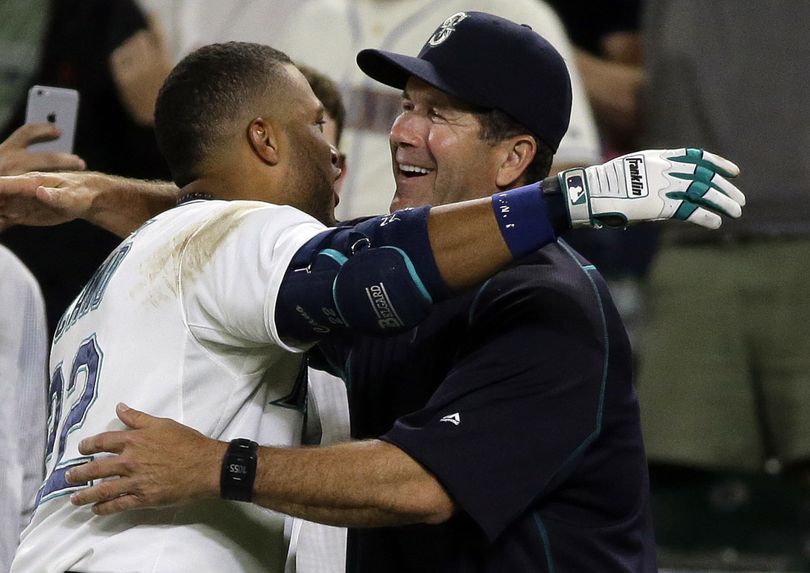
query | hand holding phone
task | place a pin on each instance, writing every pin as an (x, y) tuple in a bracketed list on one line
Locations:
[(56, 106), (16, 159)]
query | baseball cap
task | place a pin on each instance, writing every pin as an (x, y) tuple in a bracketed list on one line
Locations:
[(490, 62)]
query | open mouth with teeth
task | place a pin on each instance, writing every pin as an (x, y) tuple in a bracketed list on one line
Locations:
[(413, 170)]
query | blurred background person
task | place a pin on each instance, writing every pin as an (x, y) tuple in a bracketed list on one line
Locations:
[(23, 354), (726, 409), (106, 50), (23, 363), (606, 41)]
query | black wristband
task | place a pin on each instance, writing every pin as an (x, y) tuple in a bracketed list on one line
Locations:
[(238, 470), (556, 205)]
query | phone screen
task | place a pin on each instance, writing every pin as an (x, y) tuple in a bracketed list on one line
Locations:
[(58, 106)]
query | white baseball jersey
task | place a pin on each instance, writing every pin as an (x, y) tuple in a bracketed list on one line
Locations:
[(177, 322), (23, 362)]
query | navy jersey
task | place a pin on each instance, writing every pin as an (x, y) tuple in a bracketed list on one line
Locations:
[(518, 396)]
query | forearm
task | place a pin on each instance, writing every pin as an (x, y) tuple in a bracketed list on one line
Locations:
[(114, 203), (474, 239), (121, 205), (344, 517), (357, 484), (469, 245), (381, 275), (162, 462), (466, 242)]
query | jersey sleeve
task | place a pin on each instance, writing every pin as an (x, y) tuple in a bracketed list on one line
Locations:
[(519, 406), (232, 268)]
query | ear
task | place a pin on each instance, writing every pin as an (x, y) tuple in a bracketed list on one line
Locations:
[(263, 140), (519, 153)]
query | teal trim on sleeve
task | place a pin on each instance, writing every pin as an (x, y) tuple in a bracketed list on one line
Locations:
[(414, 275), (337, 256), (588, 269), (546, 544), (340, 259), (476, 299)]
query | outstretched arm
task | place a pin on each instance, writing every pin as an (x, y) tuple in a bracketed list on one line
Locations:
[(381, 276), (356, 484), (121, 205), (117, 204)]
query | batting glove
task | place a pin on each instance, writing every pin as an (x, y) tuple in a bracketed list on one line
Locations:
[(652, 185)]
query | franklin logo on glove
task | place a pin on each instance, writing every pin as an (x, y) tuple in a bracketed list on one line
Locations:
[(635, 174), (684, 184)]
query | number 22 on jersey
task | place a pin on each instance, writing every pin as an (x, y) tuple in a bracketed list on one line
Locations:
[(78, 395)]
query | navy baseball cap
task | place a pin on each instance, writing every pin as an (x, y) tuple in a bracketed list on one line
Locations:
[(490, 62)]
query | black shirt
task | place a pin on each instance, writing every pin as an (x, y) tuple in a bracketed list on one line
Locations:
[(518, 397)]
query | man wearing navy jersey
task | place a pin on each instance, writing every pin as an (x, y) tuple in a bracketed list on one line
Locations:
[(518, 395), (502, 434)]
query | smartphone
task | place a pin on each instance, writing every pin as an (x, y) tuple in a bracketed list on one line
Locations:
[(59, 106)]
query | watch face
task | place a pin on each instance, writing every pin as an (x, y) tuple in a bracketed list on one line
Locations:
[(239, 470)]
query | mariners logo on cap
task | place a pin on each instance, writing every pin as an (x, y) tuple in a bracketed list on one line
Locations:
[(447, 28)]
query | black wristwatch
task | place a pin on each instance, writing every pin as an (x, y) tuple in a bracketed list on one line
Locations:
[(238, 470)]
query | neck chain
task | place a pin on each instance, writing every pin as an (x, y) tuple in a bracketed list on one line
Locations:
[(194, 196)]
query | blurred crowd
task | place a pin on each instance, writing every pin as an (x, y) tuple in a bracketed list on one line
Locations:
[(720, 323)]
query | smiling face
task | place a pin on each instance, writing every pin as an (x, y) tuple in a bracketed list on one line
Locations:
[(437, 152)]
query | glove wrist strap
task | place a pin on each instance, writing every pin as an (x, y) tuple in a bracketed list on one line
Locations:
[(574, 184)]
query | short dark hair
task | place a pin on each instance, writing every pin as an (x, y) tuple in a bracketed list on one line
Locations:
[(327, 91), (497, 126), (204, 94)]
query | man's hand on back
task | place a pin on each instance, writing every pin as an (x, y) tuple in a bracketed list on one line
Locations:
[(160, 462)]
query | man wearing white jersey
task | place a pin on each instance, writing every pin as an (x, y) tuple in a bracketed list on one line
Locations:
[(181, 319)]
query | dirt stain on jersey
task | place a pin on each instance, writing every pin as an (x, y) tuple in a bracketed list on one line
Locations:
[(186, 254)]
